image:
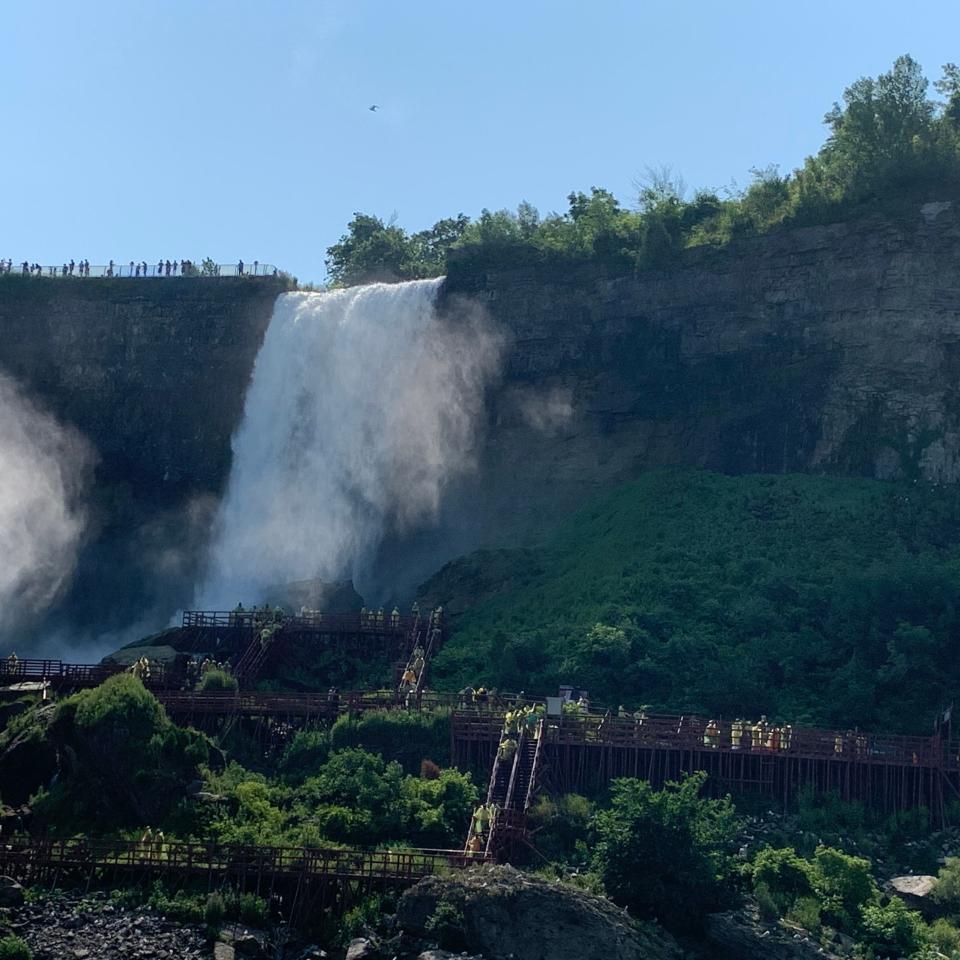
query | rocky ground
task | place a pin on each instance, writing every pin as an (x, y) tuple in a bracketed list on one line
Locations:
[(77, 927)]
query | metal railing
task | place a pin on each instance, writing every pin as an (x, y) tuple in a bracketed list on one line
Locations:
[(27, 857), (309, 623), (82, 674), (700, 734), (140, 270)]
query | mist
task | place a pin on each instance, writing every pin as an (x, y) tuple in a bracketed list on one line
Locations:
[(45, 471), (364, 406)]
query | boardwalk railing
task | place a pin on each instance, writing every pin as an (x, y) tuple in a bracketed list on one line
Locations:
[(697, 733), (313, 622), (79, 674), (137, 270), (25, 857), (251, 703)]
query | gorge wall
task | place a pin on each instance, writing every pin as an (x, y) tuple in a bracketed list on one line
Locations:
[(153, 372), (831, 349)]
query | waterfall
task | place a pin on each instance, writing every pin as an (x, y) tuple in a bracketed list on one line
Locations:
[(364, 404)]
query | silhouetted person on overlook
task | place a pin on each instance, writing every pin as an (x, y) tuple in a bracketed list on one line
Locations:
[(240, 268)]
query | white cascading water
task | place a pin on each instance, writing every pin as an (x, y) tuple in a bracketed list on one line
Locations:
[(363, 404)]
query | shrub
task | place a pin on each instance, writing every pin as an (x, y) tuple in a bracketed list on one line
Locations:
[(844, 884), (305, 755), (681, 840), (893, 929), (806, 912), (784, 877), (946, 891), (252, 909), (404, 736), (446, 924), (214, 909), (361, 918), (214, 681), (946, 938), (766, 902), (13, 948)]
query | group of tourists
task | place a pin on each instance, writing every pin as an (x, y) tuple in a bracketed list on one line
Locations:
[(197, 669), (470, 697), (745, 735), (153, 845), (482, 821), (377, 619), (163, 268), (141, 669), (410, 681)]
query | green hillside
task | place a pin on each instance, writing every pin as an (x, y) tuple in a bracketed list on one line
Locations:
[(810, 599)]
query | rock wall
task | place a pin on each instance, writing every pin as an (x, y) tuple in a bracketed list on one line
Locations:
[(831, 349), (153, 372)]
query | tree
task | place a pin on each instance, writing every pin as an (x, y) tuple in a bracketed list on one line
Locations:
[(664, 853), (878, 131), (949, 86), (370, 250)]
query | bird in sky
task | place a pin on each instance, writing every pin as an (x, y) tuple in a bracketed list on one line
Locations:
[(374, 107)]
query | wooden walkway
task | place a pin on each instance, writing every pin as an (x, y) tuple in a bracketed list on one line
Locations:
[(582, 753), (253, 867), (77, 675)]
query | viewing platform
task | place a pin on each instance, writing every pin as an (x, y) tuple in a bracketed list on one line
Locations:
[(206, 270)]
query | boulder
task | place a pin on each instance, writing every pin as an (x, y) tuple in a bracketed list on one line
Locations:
[(11, 893), (245, 941), (362, 949), (506, 913), (223, 951), (914, 891)]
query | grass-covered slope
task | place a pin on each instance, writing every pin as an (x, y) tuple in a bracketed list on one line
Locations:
[(810, 599)]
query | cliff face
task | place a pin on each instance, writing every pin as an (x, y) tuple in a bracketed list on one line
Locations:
[(831, 349), (153, 373)]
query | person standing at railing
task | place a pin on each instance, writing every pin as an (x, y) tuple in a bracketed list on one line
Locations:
[(239, 268)]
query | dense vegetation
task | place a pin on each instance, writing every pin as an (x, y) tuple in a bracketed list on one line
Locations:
[(125, 766), (123, 761), (888, 140), (810, 599)]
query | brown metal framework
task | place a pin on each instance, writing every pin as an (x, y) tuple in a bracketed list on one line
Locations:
[(585, 752)]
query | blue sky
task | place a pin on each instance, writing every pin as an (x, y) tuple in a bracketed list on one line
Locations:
[(232, 129)]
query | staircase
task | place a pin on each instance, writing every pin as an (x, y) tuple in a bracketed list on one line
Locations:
[(511, 790), (425, 636), (251, 661)]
